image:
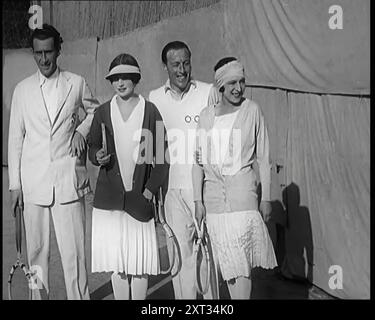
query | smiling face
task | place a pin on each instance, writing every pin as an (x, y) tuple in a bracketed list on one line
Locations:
[(45, 55), (123, 86), (234, 90), (179, 69)]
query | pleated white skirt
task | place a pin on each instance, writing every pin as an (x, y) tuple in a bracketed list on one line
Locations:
[(240, 242), (123, 244)]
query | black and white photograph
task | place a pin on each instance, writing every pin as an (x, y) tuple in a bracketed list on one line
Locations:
[(192, 153)]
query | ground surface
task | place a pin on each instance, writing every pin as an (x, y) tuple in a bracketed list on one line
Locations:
[(266, 284)]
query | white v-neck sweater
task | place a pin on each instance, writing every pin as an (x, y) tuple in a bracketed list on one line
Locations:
[(180, 118)]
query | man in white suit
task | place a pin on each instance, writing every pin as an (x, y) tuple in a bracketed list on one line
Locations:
[(47, 163)]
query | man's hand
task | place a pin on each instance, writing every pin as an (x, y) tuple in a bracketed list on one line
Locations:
[(147, 194), (78, 145), (214, 96), (200, 212), (102, 157), (16, 200), (198, 157), (265, 208)]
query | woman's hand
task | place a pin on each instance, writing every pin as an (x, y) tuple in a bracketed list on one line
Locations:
[(265, 208), (147, 194), (102, 157), (200, 212)]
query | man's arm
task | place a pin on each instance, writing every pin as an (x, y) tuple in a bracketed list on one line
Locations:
[(89, 105), (15, 142), (214, 96), (160, 172)]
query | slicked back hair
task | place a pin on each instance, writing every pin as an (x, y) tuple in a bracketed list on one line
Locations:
[(47, 31), (174, 45)]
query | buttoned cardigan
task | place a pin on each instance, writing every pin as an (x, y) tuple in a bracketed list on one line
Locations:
[(110, 193)]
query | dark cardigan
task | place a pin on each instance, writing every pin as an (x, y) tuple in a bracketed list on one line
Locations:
[(110, 193)]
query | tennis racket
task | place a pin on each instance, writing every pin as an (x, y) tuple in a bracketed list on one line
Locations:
[(169, 236), (25, 275), (201, 258)]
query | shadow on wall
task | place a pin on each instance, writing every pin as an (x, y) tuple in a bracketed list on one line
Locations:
[(295, 241), (291, 234)]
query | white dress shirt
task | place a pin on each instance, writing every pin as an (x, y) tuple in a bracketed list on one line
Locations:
[(50, 89)]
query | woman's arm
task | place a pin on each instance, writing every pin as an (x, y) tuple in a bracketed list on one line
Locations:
[(262, 156), (95, 139), (198, 178)]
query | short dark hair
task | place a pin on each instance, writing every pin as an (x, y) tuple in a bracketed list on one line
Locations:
[(47, 31), (125, 58), (174, 45), (221, 63)]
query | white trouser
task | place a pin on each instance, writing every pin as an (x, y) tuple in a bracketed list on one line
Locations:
[(69, 225), (179, 212)]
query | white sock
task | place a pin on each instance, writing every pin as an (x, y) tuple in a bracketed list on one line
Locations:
[(239, 288), (139, 287), (120, 286)]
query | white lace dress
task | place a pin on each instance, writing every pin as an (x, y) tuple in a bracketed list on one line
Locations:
[(240, 239)]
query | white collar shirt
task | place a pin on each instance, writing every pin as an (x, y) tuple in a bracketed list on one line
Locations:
[(49, 87), (176, 95)]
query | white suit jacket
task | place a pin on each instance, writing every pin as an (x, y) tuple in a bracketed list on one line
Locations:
[(38, 151)]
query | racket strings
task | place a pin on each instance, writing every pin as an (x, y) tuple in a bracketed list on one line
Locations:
[(175, 254), (28, 274), (201, 246), (175, 259)]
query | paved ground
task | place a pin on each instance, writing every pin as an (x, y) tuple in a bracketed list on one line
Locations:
[(266, 284)]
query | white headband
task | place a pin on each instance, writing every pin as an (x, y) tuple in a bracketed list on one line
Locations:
[(229, 71), (123, 68)]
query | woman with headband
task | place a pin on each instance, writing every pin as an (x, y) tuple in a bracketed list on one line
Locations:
[(124, 142), (231, 135)]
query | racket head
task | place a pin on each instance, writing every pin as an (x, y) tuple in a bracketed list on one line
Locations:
[(161, 236), (18, 283), (174, 250), (169, 250), (202, 266)]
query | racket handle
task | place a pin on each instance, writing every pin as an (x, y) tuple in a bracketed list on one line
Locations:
[(104, 138), (161, 207), (18, 229)]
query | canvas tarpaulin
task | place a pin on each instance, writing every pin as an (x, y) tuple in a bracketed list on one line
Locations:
[(289, 44), (328, 158), (322, 144), (319, 143)]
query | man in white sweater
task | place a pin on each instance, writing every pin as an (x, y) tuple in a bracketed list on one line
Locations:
[(180, 100)]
